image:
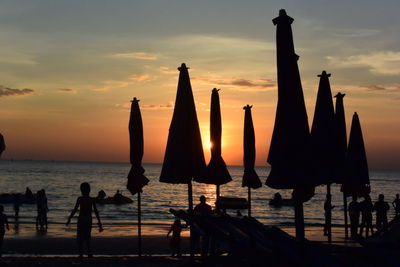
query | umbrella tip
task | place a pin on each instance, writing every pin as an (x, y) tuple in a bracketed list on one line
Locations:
[(324, 74), (282, 12), (183, 67), (247, 107), (215, 90), (340, 95), (135, 100)]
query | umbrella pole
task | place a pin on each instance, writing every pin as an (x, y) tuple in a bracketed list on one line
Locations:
[(249, 201), (217, 198), (328, 219), (299, 220), (139, 226), (190, 201), (346, 227)]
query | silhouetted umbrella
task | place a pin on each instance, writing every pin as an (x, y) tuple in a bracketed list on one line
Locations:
[(2, 144), (217, 173), (250, 177), (289, 154), (323, 141), (184, 157), (356, 165), (341, 151), (136, 179)]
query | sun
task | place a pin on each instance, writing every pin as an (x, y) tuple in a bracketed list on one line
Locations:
[(208, 144)]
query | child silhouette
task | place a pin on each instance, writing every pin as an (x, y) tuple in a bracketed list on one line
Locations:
[(86, 204)]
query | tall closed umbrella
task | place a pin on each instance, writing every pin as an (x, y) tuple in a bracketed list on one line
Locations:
[(323, 142), (250, 177), (136, 179), (184, 157), (356, 165), (217, 173), (289, 154), (341, 151)]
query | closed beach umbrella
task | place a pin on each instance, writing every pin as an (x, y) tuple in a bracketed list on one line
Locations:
[(136, 179), (356, 165), (217, 173), (341, 151), (184, 157), (250, 177), (2, 144), (289, 154), (323, 141)]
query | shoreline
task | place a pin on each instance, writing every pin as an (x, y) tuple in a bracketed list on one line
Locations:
[(155, 244)]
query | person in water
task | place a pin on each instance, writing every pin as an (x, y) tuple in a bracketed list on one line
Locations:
[(3, 226), (396, 205), (354, 214), (86, 205), (42, 209), (366, 215), (381, 208), (328, 214), (175, 241)]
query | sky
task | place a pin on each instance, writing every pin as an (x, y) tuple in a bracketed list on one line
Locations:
[(68, 70)]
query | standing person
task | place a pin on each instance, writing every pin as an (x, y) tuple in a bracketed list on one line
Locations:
[(381, 207), (366, 215), (354, 214), (42, 209), (3, 226), (203, 209), (86, 205), (328, 214), (396, 205), (175, 241)]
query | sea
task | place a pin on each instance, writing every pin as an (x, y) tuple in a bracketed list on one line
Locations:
[(61, 181)]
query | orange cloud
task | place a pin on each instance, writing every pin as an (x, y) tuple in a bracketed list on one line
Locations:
[(66, 90), (135, 55), (111, 84), (238, 83)]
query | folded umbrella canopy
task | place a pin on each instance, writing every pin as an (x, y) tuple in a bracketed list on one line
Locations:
[(250, 177), (184, 157), (340, 152), (323, 142), (289, 153), (136, 179), (217, 173), (356, 165)]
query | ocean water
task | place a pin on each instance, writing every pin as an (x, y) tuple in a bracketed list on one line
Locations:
[(61, 180)]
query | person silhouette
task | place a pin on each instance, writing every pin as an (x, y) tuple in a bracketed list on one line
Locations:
[(354, 214), (396, 205), (175, 241), (86, 205), (366, 215), (381, 207), (42, 209), (3, 226), (328, 209), (203, 209)]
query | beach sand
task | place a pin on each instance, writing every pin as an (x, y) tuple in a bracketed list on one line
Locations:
[(117, 251)]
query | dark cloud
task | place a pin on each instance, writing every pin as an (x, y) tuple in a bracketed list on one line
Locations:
[(66, 90), (240, 82), (161, 106), (6, 91)]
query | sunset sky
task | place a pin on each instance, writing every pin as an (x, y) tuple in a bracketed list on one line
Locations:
[(68, 70)]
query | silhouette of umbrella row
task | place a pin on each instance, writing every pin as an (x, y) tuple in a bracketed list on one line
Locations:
[(299, 159)]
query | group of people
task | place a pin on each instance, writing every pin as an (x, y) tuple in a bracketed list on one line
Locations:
[(201, 209), (364, 209)]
